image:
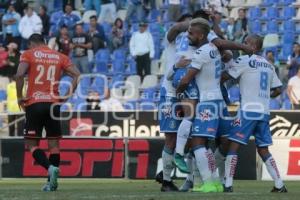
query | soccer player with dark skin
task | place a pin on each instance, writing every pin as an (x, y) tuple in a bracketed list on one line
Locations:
[(44, 68)]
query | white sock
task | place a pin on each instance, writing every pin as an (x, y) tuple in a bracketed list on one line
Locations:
[(230, 165), (201, 156), (182, 135), (273, 171), (212, 165), (220, 163), (189, 164), (167, 158), (197, 177)]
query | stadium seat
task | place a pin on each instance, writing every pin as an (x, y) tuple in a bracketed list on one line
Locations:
[(2, 95), (66, 107), (285, 2), (118, 67), (149, 81), (297, 15), (286, 50), (133, 81), (131, 68), (269, 2), (251, 3), (254, 13), (116, 93), (79, 105), (288, 13), (288, 38), (85, 82), (272, 27), (255, 27), (274, 104), (153, 14), (101, 67), (102, 55), (87, 14), (271, 13), (288, 25), (99, 84), (148, 105), (117, 81), (107, 29), (149, 94), (155, 69), (271, 40), (119, 54), (236, 3), (131, 105), (154, 28), (131, 93), (286, 105), (297, 3)]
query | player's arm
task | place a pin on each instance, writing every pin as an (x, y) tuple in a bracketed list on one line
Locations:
[(176, 30), (73, 72), (230, 45), (191, 73), (183, 62), (85, 46), (276, 92), (22, 70)]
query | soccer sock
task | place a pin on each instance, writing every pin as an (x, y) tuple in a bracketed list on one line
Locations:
[(230, 165), (41, 158), (212, 165), (167, 158), (196, 173), (220, 163), (201, 156), (273, 170), (189, 163), (182, 135), (54, 159)]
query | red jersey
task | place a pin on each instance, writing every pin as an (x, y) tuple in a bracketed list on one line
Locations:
[(44, 73)]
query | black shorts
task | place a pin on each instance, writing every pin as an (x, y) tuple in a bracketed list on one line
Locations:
[(42, 115)]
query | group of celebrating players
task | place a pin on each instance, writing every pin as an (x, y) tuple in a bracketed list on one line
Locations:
[(192, 107), (193, 110)]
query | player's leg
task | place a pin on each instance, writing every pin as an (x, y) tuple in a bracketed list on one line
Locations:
[(188, 106), (169, 125), (263, 139), (38, 154), (53, 131), (230, 165)]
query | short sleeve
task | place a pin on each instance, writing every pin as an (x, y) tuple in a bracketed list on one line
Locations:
[(66, 62), (291, 81), (275, 80), (238, 67), (212, 36), (25, 57), (198, 59)]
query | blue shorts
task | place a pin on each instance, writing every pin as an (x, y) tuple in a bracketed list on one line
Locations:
[(191, 91), (245, 125), (212, 120), (169, 114)]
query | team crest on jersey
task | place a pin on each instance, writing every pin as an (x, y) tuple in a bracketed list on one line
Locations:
[(205, 115), (236, 122), (172, 124)]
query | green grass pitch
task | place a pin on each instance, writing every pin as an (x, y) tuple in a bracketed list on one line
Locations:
[(119, 189)]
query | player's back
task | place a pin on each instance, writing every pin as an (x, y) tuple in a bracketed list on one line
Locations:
[(44, 72), (207, 59), (256, 80)]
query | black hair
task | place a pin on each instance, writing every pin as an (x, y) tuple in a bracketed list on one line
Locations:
[(183, 17), (36, 39), (44, 8), (93, 17), (201, 13), (119, 19)]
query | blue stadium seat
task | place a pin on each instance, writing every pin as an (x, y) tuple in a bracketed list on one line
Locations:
[(269, 2), (289, 25), (85, 82), (131, 105), (99, 84), (117, 81), (288, 38), (272, 27), (102, 55), (107, 29), (286, 50), (154, 13), (119, 54), (149, 94), (154, 28), (255, 27), (134, 27), (148, 105), (223, 25), (131, 68), (274, 104), (288, 13), (285, 2), (271, 13), (2, 95), (234, 94), (101, 67), (79, 104), (286, 105), (254, 13), (118, 67), (274, 50)]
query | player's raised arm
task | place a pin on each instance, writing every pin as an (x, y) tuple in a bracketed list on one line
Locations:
[(230, 45), (176, 30)]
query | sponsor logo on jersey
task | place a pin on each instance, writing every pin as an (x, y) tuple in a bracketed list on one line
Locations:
[(40, 54), (41, 96), (236, 122)]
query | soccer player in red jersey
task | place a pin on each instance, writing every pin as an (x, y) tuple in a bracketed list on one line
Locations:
[(44, 68)]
